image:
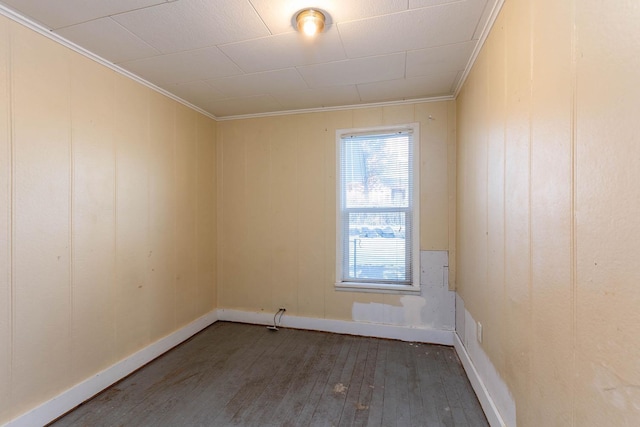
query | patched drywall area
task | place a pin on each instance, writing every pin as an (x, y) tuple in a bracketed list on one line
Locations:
[(434, 308)]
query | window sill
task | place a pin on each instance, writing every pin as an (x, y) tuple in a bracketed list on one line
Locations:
[(379, 288)]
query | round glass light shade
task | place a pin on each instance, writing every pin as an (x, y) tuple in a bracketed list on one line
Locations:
[(310, 21)]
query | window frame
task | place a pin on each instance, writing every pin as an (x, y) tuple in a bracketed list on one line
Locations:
[(375, 286)]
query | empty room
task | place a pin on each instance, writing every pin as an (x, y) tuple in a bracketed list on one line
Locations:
[(291, 213)]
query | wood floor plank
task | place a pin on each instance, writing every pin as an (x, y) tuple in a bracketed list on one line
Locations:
[(366, 388), (396, 409), (454, 404), (181, 388), (379, 381), (332, 401), (429, 415), (265, 406), (464, 392), (245, 375), (318, 391), (353, 403), (417, 410), (219, 392), (129, 395), (261, 372), (164, 405), (403, 406), (434, 399), (305, 389)]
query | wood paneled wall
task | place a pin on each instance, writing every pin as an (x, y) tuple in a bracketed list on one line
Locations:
[(107, 217), (547, 230), (277, 209)]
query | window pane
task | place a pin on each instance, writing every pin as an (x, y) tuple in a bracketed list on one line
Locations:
[(378, 247), (376, 171)]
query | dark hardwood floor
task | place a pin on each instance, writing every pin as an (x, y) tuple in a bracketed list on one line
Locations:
[(245, 375)]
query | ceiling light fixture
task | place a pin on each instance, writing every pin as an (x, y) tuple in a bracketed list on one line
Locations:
[(310, 21)]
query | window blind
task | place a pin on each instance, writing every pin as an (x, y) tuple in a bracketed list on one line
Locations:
[(376, 186)]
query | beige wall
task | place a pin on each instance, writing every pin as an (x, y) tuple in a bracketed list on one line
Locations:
[(548, 234), (277, 206), (108, 211), (107, 218)]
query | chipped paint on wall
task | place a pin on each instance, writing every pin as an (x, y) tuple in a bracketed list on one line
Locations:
[(615, 389), (432, 309)]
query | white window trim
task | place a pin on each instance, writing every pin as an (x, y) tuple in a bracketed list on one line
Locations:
[(414, 287)]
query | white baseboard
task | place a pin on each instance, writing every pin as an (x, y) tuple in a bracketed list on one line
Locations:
[(403, 333), (486, 401), (492, 391), (79, 393)]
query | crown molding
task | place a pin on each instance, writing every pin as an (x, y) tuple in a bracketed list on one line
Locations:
[(483, 38), (42, 30), (338, 108)]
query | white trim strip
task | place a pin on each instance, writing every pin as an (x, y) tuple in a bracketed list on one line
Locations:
[(339, 108), (377, 330), (486, 401), (74, 396), (38, 28), (483, 38)]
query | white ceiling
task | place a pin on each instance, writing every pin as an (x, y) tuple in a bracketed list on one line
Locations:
[(238, 57)]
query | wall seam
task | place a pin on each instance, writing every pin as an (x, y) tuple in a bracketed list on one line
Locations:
[(504, 193), (487, 237), (197, 214), (12, 209), (530, 360), (175, 217), (114, 285), (452, 175), (297, 307), (218, 173), (573, 238), (297, 193), (147, 237), (270, 199), (71, 295)]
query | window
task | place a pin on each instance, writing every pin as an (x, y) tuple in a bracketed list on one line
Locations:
[(378, 230)]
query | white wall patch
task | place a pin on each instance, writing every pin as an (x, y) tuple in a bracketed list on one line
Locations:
[(434, 308)]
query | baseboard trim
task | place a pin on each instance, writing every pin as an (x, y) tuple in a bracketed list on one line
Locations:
[(72, 397), (486, 401), (402, 333)]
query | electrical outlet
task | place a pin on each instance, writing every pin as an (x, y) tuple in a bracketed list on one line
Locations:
[(479, 332), (283, 309)]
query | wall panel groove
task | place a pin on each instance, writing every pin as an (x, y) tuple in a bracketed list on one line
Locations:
[(82, 184), (569, 300), (6, 218)]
